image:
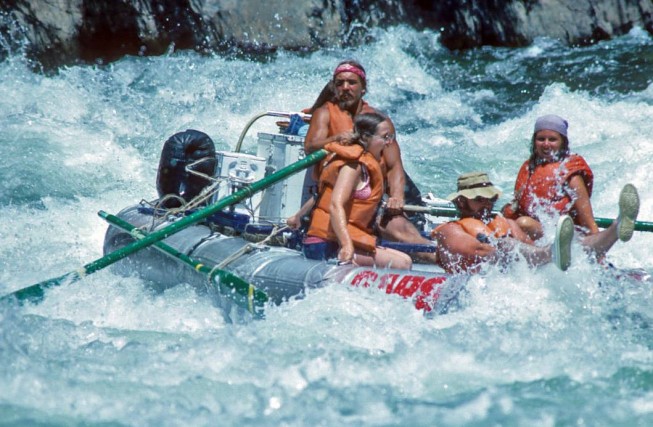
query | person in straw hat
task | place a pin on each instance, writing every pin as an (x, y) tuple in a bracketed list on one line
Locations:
[(480, 235)]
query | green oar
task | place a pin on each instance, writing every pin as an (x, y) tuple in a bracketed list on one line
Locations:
[(639, 225), (242, 293), (35, 292), (452, 212)]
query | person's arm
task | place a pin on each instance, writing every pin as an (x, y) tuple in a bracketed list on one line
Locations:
[(295, 221), (511, 210), (517, 233), (582, 204), (455, 245), (316, 137), (455, 240), (395, 174), (348, 176)]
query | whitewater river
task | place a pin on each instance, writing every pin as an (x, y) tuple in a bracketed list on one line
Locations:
[(523, 348)]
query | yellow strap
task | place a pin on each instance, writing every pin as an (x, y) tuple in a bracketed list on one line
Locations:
[(250, 298)]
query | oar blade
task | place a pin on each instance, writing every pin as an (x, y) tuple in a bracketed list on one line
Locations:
[(35, 293)]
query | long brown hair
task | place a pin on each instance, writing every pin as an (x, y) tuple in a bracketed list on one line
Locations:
[(327, 94), (365, 125)]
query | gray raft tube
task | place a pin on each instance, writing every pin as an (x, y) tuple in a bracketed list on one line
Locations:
[(280, 272)]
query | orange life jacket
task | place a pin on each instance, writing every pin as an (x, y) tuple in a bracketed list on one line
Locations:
[(547, 186), (498, 227), (360, 213), (341, 121)]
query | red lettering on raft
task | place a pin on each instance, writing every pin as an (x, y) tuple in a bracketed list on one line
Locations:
[(425, 290)]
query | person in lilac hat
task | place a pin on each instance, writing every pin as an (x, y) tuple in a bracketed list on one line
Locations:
[(554, 181)]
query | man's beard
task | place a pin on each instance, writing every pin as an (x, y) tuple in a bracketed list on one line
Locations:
[(485, 215), (346, 104)]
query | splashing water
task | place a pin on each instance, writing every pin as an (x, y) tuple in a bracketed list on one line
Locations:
[(524, 347)]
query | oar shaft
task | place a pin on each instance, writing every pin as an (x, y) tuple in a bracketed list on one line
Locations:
[(35, 292), (639, 225), (201, 214), (451, 212), (246, 295), (445, 211), (288, 114)]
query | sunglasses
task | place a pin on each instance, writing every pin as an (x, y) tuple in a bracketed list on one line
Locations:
[(387, 138), (481, 199)]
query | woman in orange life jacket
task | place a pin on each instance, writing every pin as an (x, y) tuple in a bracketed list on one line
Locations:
[(341, 100), (481, 236), (554, 181), (351, 186)]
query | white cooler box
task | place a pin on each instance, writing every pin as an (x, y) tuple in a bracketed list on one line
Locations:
[(235, 170), (284, 198)]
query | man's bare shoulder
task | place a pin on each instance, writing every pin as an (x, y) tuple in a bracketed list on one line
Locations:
[(367, 108), (321, 113), (322, 109), (448, 229)]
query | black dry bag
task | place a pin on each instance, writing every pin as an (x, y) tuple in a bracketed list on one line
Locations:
[(179, 151)]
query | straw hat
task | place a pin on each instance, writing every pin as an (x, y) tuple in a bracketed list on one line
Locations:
[(474, 184)]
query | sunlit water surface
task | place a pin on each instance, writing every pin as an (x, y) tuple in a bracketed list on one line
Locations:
[(523, 347)]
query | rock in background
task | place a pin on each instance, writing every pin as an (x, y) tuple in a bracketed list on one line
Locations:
[(59, 32), (512, 23)]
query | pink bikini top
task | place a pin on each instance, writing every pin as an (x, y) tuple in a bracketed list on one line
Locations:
[(365, 192)]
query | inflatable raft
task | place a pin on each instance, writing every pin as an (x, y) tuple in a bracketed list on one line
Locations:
[(281, 273), (244, 239)]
